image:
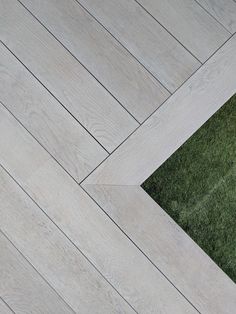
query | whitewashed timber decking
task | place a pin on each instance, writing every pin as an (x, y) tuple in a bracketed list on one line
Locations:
[(94, 96)]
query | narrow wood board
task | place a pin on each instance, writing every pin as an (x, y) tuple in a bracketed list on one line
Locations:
[(64, 76), (147, 40), (190, 24), (138, 91), (46, 119), (85, 224), (198, 278), (22, 288), (172, 124), (223, 10), (53, 255)]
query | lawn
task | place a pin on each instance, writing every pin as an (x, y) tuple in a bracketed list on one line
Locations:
[(197, 187)]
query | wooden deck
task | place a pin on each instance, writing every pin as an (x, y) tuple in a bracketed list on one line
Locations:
[(94, 96)]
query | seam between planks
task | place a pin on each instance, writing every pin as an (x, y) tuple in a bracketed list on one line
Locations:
[(174, 36), (140, 250), (213, 16), (77, 60), (168, 31), (84, 8), (37, 141), (104, 212), (139, 123), (97, 200), (81, 182), (6, 302), (64, 234), (31, 265), (54, 96)]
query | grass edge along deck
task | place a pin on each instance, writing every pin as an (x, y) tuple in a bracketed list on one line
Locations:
[(198, 181)]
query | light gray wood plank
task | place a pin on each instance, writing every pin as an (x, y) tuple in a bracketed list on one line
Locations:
[(111, 64), (22, 288), (223, 10), (69, 143), (4, 308), (190, 24), (53, 255), (168, 247), (172, 124), (153, 46), (66, 78), (104, 244)]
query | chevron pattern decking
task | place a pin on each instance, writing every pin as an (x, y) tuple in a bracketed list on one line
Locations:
[(94, 96)]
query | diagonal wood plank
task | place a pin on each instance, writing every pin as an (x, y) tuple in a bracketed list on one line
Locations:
[(46, 119), (84, 223), (23, 288), (4, 308), (53, 255), (190, 24), (153, 46), (66, 78), (223, 10), (109, 62), (168, 247), (172, 124)]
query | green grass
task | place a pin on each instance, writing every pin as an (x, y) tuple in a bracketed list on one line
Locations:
[(197, 187)]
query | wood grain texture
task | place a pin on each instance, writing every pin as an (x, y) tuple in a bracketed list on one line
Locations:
[(104, 244), (172, 124), (153, 46), (223, 10), (109, 62), (70, 82), (22, 288), (190, 24), (168, 247), (69, 143), (53, 255), (4, 308)]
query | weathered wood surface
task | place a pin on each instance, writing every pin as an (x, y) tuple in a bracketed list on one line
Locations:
[(64, 76), (152, 45), (22, 287), (77, 74), (102, 55), (66, 140), (172, 124), (86, 225), (168, 247)]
